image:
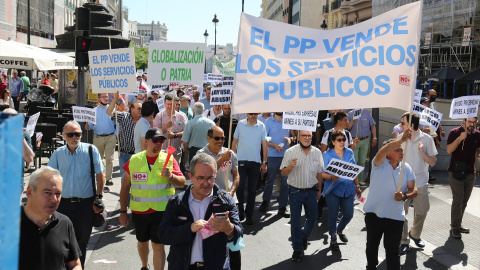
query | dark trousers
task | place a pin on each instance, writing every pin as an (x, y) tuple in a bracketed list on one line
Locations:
[(81, 214), (248, 171), (192, 151), (392, 234), (16, 103), (235, 260)]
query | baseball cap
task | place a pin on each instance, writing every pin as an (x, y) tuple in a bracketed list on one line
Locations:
[(154, 133), (424, 100), (154, 92)]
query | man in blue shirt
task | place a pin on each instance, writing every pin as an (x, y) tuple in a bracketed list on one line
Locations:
[(73, 162), (277, 146), (104, 135), (16, 89), (248, 138), (206, 100)]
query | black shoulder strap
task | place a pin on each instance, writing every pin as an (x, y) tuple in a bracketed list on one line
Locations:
[(92, 168)]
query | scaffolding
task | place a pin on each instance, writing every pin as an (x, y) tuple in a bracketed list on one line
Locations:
[(443, 27)]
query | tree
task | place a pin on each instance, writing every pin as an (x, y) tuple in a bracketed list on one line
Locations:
[(141, 57)]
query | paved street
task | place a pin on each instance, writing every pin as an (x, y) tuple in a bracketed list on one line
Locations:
[(268, 243)]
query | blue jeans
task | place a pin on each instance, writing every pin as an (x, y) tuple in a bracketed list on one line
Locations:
[(299, 198), (273, 169), (334, 203), (124, 157)]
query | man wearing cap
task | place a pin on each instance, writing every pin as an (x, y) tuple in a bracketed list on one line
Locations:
[(151, 184), (104, 137)]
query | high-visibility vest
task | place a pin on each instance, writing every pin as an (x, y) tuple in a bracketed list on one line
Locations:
[(148, 188)]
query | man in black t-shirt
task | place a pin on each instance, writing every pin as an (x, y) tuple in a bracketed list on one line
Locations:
[(47, 238), (223, 121)]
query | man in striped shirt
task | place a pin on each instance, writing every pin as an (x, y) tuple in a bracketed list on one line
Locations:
[(303, 163)]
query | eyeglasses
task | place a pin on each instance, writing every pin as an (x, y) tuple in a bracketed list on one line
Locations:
[(158, 140), (139, 108), (217, 138), (471, 122), (210, 179), (306, 136), (253, 114), (341, 140), (398, 150), (76, 134)]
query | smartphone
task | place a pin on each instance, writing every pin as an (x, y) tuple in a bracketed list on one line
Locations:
[(220, 215)]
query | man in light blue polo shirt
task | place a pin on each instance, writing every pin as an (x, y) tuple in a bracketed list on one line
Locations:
[(195, 134), (248, 138), (73, 162), (279, 143), (384, 212), (104, 137)]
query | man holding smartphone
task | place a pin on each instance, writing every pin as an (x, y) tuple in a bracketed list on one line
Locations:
[(199, 222)]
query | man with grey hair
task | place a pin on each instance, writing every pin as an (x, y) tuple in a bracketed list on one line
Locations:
[(42, 229), (196, 97), (185, 106), (203, 205), (16, 89), (73, 162), (195, 133)]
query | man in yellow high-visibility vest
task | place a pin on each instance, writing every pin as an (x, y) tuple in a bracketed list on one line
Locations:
[(151, 186)]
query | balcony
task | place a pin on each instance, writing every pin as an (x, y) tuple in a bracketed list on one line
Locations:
[(325, 9), (336, 4)]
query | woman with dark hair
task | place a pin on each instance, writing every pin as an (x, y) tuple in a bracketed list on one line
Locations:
[(5, 99), (339, 192)]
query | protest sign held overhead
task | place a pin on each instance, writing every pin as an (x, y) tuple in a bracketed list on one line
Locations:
[(427, 116), (282, 67), (300, 120), (214, 78), (343, 169), (32, 122), (83, 114), (227, 81), (180, 62), (113, 70), (418, 96), (225, 68), (464, 107), (161, 104), (357, 113), (220, 95)]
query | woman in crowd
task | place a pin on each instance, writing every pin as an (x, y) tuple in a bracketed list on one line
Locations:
[(3, 84), (45, 79), (6, 99), (339, 192)]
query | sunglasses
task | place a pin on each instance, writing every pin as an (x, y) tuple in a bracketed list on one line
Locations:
[(252, 113), (217, 138), (76, 134), (341, 140), (158, 140)]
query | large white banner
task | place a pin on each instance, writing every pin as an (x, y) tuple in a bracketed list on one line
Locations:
[(113, 70), (225, 68), (176, 62), (464, 107), (282, 67)]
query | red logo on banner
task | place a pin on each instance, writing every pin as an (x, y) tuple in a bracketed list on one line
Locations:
[(405, 80), (140, 177)]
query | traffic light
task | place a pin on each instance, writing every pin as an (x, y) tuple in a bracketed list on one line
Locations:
[(82, 45)]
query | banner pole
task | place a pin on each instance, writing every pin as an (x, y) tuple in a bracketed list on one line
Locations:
[(404, 154), (229, 145), (171, 115), (116, 118)]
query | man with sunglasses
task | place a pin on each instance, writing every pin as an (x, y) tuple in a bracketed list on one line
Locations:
[(463, 142), (151, 184), (248, 138), (104, 137), (384, 212), (77, 203), (195, 134)]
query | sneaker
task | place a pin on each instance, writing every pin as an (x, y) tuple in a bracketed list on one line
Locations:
[(297, 256), (334, 247), (464, 230), (249, 220), (418, 242), (283, 212), (109, 182), (342, 237), (404, 248), (145, 268), (456, 233), (305, 243), (263, 207), (241, 215)]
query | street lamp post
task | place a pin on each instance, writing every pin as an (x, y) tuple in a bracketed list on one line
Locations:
[(324, 25), (206, 36), (215, 21)]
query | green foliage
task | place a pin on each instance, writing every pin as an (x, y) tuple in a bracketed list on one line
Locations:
[(141, 58)]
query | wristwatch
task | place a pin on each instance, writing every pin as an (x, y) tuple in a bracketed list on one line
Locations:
[(405, 196), (266, 163), (100, 196), (174, 135)]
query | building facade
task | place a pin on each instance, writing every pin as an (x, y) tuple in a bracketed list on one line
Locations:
[(152, 32)]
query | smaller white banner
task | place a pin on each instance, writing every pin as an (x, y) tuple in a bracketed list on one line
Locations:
[(357, 113), (228, 81), (214, 78), (343, 169), (464, 107), (161, 104), (32, 122), (300, 120), (220, 95), (428, 116), (418, 96), (139, 72), (83, 114)]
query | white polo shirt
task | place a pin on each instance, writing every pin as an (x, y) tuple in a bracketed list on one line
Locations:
[(415, 159)]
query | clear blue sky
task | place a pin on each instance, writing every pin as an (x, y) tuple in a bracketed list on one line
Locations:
[(187, 20)]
